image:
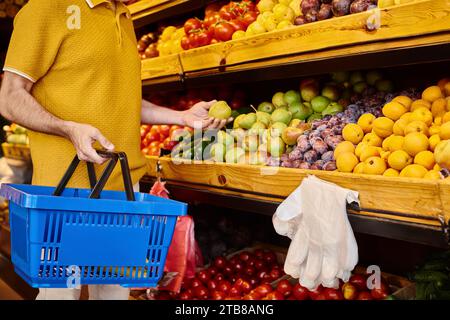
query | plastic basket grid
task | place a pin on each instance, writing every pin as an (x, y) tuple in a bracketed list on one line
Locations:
[(56, 239)]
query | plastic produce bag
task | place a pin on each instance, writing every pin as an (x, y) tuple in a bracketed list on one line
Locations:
[(184, 254)]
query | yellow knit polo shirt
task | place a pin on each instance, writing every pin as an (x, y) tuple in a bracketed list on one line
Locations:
[(82, 57)]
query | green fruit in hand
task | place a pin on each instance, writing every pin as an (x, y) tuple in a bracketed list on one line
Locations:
[(290, 135), (233, 154), (331, 92), (247, 121), (373, 76), (281, 115), (332, 109), (250, 143), (314, 116), (220, 110), (360, 87), (356, 77), (340, 77), (225, 138), (218, 152), (384, 86), (263, 117), (319, 103), (278, 100), (302, 110), (292, 96), (266, 107), (276, 129), (275, 146), (237, 120)]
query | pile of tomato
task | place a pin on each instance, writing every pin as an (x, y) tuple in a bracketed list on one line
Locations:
[(220, 24), (154, 138)]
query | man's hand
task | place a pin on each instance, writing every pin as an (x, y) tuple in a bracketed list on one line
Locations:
[(83, 136), (198, 116)]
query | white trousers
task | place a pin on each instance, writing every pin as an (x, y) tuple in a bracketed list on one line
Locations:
[(96, 292)]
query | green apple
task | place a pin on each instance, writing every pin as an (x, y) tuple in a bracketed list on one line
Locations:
[(218, 152), (281, 115), (373, 76), (290, 135), (233, 154), (332, 109), (266, 107), (292, 96), (319, 103), (220, 110), (247, 121), (278, 100), (263, 117)]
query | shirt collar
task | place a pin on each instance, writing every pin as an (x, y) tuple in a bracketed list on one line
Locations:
[(122, 9), (94, 3)]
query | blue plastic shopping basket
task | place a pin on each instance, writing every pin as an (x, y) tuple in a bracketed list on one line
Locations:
[(64, 237)]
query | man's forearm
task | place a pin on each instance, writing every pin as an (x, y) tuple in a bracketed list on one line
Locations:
[(153, 114)]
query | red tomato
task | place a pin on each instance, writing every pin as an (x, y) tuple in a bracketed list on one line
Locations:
[(333, 294), (263, 289), (269, 257), (249, 271), (274, 295), (238, 267), (284, 287), (249, 17), (212, 8), (252, 296), (211, 20), (220, 262), (204, 37), (154, 144), (201, 293), (246, 286), (191, 25), (193, 40), (359, 281), (214, 40), (234, 291), (238, 24), (219, 277), (223, 31), (244, 256), (264, 276), (152, 136), (275, 274), (259, 265), (299, 292), (213, 285), (224, 286), (315, 293), (212, 271), (185, 43), (364, 295), (218, 295), (226, 14), (203, 276), (380, 293), (154, 151), (164, 129)]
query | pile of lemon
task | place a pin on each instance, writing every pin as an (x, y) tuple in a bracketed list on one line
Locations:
[(411, 140)]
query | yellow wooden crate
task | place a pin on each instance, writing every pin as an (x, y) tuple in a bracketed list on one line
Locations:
[(16, 151)]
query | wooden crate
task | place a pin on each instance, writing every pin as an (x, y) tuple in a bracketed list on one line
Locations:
[(416, 198), (16, 151)]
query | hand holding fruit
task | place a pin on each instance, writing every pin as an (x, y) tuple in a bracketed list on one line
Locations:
[(201, 115)]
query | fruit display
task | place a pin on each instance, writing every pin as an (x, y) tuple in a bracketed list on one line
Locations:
[(155, 138), (433, 278), (409, 139), (16, 134), (9, 8), (147, 46)]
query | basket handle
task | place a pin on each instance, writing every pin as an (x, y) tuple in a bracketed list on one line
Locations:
[(97, 186)]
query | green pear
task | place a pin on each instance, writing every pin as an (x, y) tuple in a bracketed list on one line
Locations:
[(359, 87), (291, 96), (238, 134), (332, 109), (290, 135), (384, 86), (278, 100), (220, 110), (250, 143), (266, 107), (303, 110), (263, 117), (225, 138), (281, 115), (314, 116), (319, 103), (257, 128), (276, 146), (233, 154), (247, 121), (218, 152), (236, 121), (340, 77), (277, 128)]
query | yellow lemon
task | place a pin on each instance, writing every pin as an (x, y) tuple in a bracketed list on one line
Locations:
[(368, 152), (396, 143), (374, 165), (406, 116), (446, 117), (416, 126), (383, 127), (414, 171), (437, 167), (432, 175), (415, 142), (399, 127), (372, 140), (432, 93), (439, 106), (434, 130), (442, 153), (360, 147), (404, 100), (434, 140), (419, 104), (425, 159), (344, 146), (394, 110), (366, 121), (399, 159), (353, 133), (359, 168), (391, 173), (346, 162), (422, 114), (444, 133)]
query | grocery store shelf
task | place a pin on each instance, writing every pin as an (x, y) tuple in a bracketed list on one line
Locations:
[(146, 12), (428, 232), (409, 34)]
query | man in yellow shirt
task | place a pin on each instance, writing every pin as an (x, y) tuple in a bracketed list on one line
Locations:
[(72, 76)]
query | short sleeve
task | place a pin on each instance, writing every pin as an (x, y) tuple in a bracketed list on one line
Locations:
[(35, 40)]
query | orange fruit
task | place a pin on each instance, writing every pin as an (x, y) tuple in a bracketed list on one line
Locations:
[(382, 126), (394, 110), (399, 159), (432, 93), (404, 100), (346, 162), (366, 121), (439, 107), (420, 103), (415, 142), (425, 159), (353, 133), (444, 134), (391, 173), (413, 171), (344, 146)]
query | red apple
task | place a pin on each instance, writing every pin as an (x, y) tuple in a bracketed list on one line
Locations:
[(380, 293), (263, 289), (364, 295), (224, 286), (213, 285), (218, 295), (300, 292), (313, 294), (284, 287), (359, 281), (333, 294), (274, 295), (203, 276), (220, 262), (201, 293)]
